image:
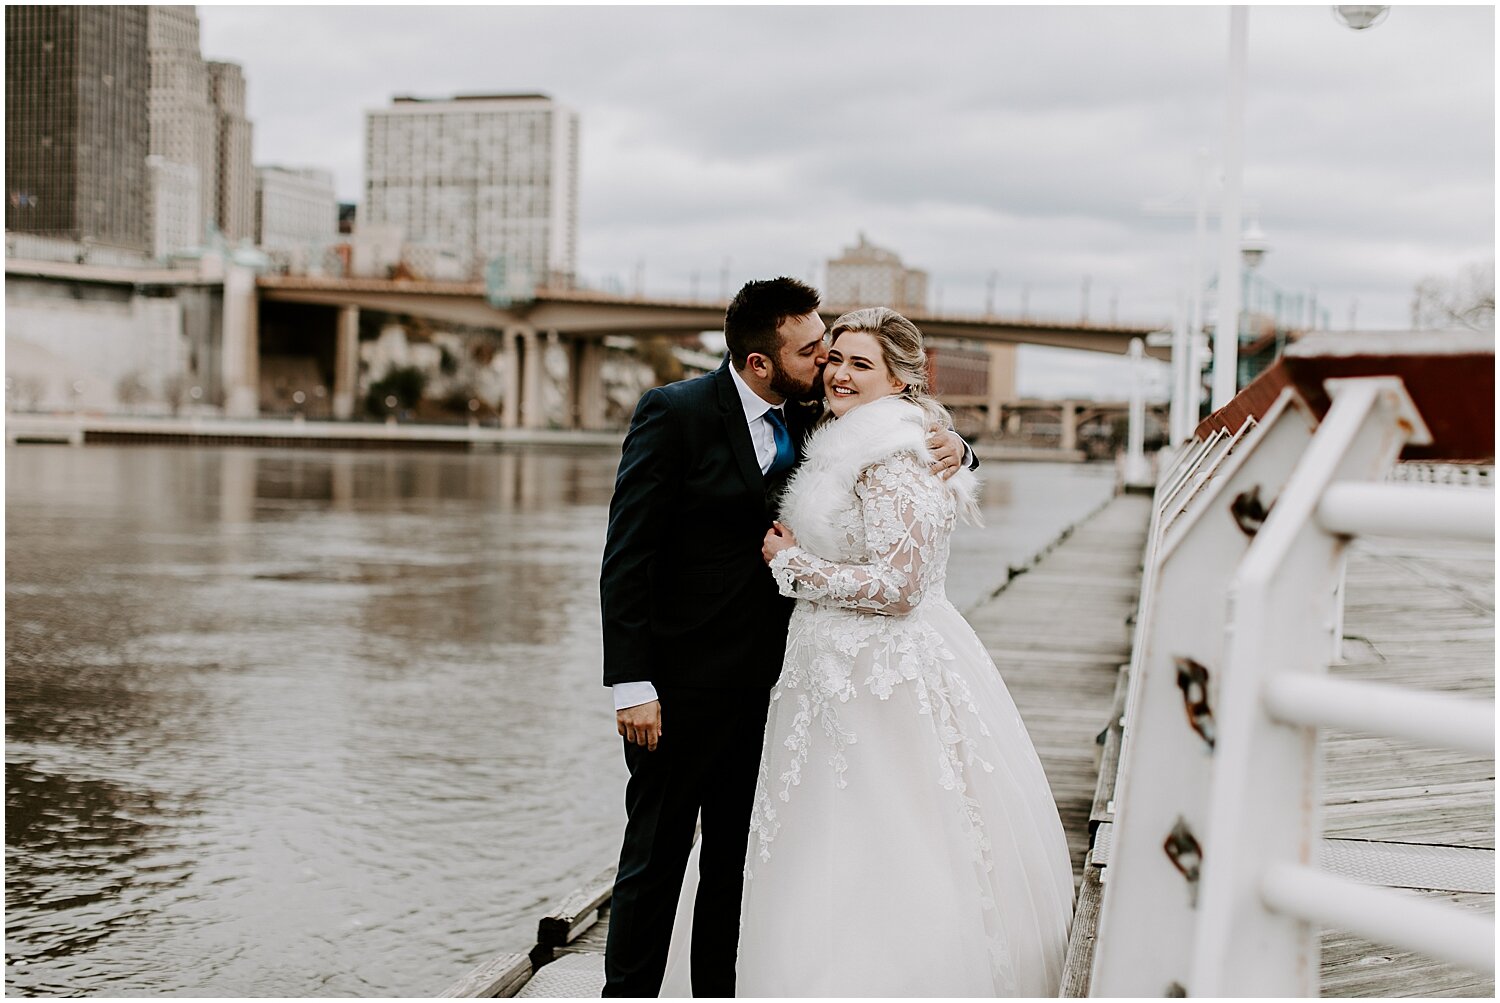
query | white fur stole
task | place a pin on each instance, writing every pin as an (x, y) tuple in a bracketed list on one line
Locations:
[(838, 451)]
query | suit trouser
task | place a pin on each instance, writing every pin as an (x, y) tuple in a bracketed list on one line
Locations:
[(707, 760)]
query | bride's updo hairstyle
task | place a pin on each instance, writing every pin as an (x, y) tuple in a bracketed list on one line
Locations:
[(900, 348)]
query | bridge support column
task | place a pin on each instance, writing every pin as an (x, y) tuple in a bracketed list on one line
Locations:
[(1002, 384), (240, 353), (1069, 425), (510, 406), (585, 383), (346, 363), (532, 347)]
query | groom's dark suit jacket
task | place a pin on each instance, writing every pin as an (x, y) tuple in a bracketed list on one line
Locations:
[(687, 600)]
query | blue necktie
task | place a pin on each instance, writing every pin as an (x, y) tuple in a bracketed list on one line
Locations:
[(786, 456)]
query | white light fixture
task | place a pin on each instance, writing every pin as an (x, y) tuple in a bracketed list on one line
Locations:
[(1253, 244), (1359, 18)]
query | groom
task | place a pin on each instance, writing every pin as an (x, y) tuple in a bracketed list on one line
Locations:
[(694, 626)]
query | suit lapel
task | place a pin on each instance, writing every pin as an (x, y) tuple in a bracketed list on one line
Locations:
[(738, 431)]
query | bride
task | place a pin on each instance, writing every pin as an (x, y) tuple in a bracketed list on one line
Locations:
[(904, 841)]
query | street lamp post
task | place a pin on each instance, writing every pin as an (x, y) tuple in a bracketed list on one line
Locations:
[(1137, 472), (1226, 330), (1227, 327)]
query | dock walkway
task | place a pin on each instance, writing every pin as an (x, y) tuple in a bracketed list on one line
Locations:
[(1058, 631), (1421, 614)]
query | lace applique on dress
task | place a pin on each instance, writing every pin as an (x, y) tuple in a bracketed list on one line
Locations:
[(895, 528)]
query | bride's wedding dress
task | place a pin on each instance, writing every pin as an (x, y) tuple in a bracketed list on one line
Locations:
[(904, 840)]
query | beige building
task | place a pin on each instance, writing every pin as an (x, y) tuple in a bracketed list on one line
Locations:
[(235, 209), (866, 275), (184, 128), (176, 220), (294, 208), (486, 178)]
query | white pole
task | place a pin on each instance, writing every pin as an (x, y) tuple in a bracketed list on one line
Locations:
[(1137, 471), (1181, 422), (1193, 358), (1227, 329)]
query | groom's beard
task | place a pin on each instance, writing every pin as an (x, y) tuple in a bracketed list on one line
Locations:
[(789, 388)]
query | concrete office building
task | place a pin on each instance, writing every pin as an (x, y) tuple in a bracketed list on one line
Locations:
[(235, 200), (175, 205), (76, 124), (866, 275), (184, 124), (294, 208), (485, 177)]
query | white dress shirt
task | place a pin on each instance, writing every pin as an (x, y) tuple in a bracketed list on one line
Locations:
[(763, 437)]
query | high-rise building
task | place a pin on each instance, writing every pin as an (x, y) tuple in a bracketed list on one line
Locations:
[(490, 177), (184, 125), (76, 132), (176, 224), (294, 208), (235, 216), (867, 275)]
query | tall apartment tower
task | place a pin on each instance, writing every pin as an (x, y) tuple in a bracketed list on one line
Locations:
[(866, 275), (76, 123), (184, 129), (235, 214), (491, 176)]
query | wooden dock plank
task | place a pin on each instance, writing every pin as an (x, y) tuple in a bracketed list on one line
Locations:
[(1059, 634), (1355, 967), (1418, 615)]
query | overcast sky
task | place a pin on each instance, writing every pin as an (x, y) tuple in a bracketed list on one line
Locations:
[(1025, 142)]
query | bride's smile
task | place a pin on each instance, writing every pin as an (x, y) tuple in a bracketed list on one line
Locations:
[(856, 372)]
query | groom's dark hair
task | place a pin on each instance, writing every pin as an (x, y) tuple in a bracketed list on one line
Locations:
[(759, 308)]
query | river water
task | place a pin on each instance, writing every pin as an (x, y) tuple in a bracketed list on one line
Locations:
[(308, 723)]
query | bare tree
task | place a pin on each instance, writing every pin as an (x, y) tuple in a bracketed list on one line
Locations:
[(1465, 300)]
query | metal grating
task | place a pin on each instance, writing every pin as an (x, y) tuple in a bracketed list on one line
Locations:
[(575, 976), (1394, 865), (1411, 865)]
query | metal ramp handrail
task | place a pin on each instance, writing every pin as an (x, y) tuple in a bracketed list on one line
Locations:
[(1212, 886), (1263, 898)]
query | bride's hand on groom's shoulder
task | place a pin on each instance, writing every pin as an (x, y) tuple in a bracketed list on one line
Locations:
[(778, 538)]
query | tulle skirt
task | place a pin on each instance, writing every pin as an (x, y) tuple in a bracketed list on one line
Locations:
[(904, 841)]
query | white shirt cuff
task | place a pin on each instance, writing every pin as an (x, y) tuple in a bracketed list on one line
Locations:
[(633, 694)]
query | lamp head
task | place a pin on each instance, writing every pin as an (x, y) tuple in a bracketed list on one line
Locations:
[(1253, 245), (1360, 17)]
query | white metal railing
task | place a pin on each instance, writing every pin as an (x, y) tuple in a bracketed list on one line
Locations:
[(1474, 475), (1201, 529), (1210, 887), (1262, 902), (1407, 510)]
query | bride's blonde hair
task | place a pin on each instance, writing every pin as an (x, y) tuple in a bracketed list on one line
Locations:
[(901, 348)]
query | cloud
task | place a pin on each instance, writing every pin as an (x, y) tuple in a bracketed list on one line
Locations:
[(1022, 141)]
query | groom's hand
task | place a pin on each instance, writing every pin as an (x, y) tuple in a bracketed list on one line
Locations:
[(641, 724)]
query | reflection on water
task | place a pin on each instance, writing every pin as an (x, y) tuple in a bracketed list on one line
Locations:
[(312, 723)]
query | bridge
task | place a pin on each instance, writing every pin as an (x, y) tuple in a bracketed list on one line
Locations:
[(580, 321), (577, 321)]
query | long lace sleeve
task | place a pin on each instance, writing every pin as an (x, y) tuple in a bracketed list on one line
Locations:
[(904, 520)]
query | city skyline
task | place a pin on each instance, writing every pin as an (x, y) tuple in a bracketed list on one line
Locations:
[(1013, 149)]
